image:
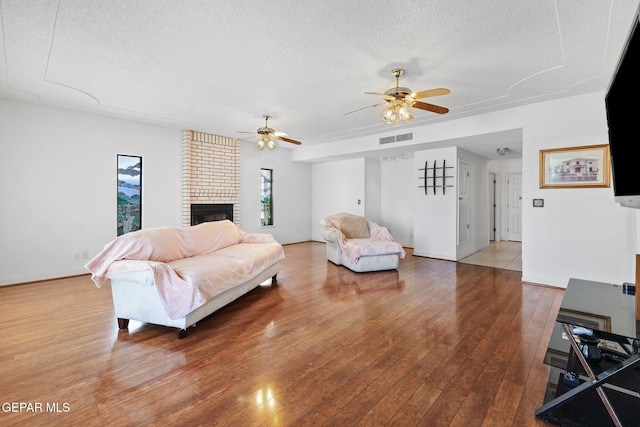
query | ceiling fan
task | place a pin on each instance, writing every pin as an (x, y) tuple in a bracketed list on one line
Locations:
[(268, 136), (400, 99)]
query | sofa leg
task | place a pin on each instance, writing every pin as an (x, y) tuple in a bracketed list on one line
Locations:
[(123, 323), (274, 280), (182, 333)]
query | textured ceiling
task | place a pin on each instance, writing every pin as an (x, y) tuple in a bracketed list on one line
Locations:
[(219, 66)]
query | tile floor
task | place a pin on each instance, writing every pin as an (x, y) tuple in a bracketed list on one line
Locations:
[(502, 254)]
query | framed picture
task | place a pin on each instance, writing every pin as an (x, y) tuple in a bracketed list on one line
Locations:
[(556, 358), (587, 320), (575, 167), (129, 206)]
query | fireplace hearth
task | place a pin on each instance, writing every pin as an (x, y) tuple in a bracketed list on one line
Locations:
[(205, 212)]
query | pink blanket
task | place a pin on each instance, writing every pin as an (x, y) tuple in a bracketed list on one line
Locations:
[(380, 241), (189, 265)]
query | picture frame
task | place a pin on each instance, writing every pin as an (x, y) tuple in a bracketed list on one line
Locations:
[(129, 194), (556, 358), (586, 166), (587, 320)]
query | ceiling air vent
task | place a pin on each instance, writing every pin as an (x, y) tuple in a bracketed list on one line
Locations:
[(404, 137), (387, 139), (390, 139)]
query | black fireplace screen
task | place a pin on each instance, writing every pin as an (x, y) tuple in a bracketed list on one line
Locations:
[(211, 212)]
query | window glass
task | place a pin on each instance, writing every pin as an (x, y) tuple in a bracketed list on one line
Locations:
[(266, 197)]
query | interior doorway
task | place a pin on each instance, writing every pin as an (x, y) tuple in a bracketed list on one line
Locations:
[(505, 224)]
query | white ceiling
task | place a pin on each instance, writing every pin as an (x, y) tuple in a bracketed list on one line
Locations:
[(219, 66)]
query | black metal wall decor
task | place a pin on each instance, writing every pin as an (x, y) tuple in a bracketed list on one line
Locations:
[(435, 177)]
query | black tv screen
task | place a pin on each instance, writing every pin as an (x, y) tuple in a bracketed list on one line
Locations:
[(621, 101)]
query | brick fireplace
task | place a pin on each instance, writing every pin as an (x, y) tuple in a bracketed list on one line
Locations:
[(210, 176)]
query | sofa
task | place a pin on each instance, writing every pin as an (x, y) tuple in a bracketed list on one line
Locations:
[(176, 276), (359, 244)]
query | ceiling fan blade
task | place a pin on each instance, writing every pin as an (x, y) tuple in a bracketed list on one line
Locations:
[(432, 92), (386, 96), (430, 107), (280, 134), (240, 131), (364, 108), (249, 137), (289, 140)]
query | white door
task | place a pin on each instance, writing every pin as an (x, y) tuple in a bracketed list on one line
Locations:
[(463, 201), (514, 207)]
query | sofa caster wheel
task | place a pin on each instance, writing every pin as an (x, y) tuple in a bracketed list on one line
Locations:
[(182, 333), (123, 323)]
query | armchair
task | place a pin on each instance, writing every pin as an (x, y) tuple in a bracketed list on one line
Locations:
[(360, 244)]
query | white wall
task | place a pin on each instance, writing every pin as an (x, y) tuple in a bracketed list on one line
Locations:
[(579, 232), (398, 180), (434, 226), (58, 186), (336, 187), (291, 194), (372, 190)]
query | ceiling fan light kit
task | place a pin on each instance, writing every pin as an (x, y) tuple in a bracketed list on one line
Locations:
[(397, 112), (266, 143)]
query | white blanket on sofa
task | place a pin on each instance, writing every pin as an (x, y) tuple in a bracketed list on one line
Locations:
[(190, 265)]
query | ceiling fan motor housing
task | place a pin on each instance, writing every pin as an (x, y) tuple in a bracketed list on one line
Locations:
[(265, 131), (398, 95), (399, 92)]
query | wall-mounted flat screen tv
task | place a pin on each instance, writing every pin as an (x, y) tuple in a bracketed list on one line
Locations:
[(622, 102)]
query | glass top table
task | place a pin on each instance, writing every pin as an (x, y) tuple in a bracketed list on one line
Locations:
[(584, 390)]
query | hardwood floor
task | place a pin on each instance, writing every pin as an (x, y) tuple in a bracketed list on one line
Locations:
[(436, 343)]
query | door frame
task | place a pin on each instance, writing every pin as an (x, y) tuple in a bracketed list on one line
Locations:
[(494, 206), (509, 203)]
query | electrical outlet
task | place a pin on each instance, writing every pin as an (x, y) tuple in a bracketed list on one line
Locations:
[(77, 256), (85, 255)]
